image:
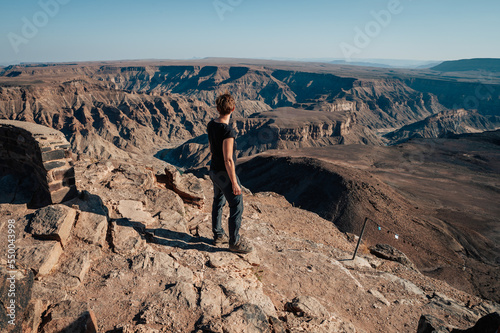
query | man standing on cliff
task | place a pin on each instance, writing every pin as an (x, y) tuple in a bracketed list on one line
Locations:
[(221, 137)]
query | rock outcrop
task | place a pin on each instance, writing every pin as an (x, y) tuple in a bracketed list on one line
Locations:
[(158, 266), (36, 164)]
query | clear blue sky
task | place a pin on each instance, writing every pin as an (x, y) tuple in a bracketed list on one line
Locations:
[(175, 29)]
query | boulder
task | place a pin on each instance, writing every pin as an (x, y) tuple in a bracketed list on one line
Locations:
[(487, 324), (307, 306), (53, 222), (91, 228), (431, 324), (40, 256), (388, 252), (187, 185), (130, 176)]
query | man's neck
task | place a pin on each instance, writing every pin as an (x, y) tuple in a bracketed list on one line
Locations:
[(224, 119)]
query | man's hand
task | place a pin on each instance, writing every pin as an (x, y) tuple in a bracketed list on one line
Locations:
[(236, 189)]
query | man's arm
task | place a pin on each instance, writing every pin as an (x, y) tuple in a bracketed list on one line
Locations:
[(227, 150)]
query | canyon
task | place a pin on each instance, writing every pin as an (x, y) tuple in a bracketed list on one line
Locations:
[(321, 149)]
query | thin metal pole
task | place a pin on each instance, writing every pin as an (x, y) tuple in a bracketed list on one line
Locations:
[(359, 240)]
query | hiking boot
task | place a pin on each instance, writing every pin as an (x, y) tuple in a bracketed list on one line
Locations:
[(219, 240), (241, 247)]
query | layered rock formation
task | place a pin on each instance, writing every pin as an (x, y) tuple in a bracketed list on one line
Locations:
[(444, 124), (128, 109), (283, 128), (118, 110), (36, 164)]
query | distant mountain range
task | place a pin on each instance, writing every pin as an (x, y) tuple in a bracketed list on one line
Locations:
[(479, 64), (388, 63), (382, 63)]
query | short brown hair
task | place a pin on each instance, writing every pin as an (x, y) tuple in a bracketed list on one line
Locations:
[(225, 103)]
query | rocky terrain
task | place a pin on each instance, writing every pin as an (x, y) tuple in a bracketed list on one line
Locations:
[(137, 257), (322, 148)]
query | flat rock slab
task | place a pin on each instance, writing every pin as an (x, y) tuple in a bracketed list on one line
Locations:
[(91, 228), (40, 256), (77, 265), (211, 299), (378, 295), (172, 220), (153, 262), (134, 211), (69, 317), (53, 222), (150, 262), (140, 328), (126, 240), (173, 308), (247, 291), (159, 199), (226, 260)]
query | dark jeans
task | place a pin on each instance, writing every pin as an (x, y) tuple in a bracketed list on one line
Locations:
[(223, 190)]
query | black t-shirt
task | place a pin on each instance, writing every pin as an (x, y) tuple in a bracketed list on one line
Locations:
[(217, 132)]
